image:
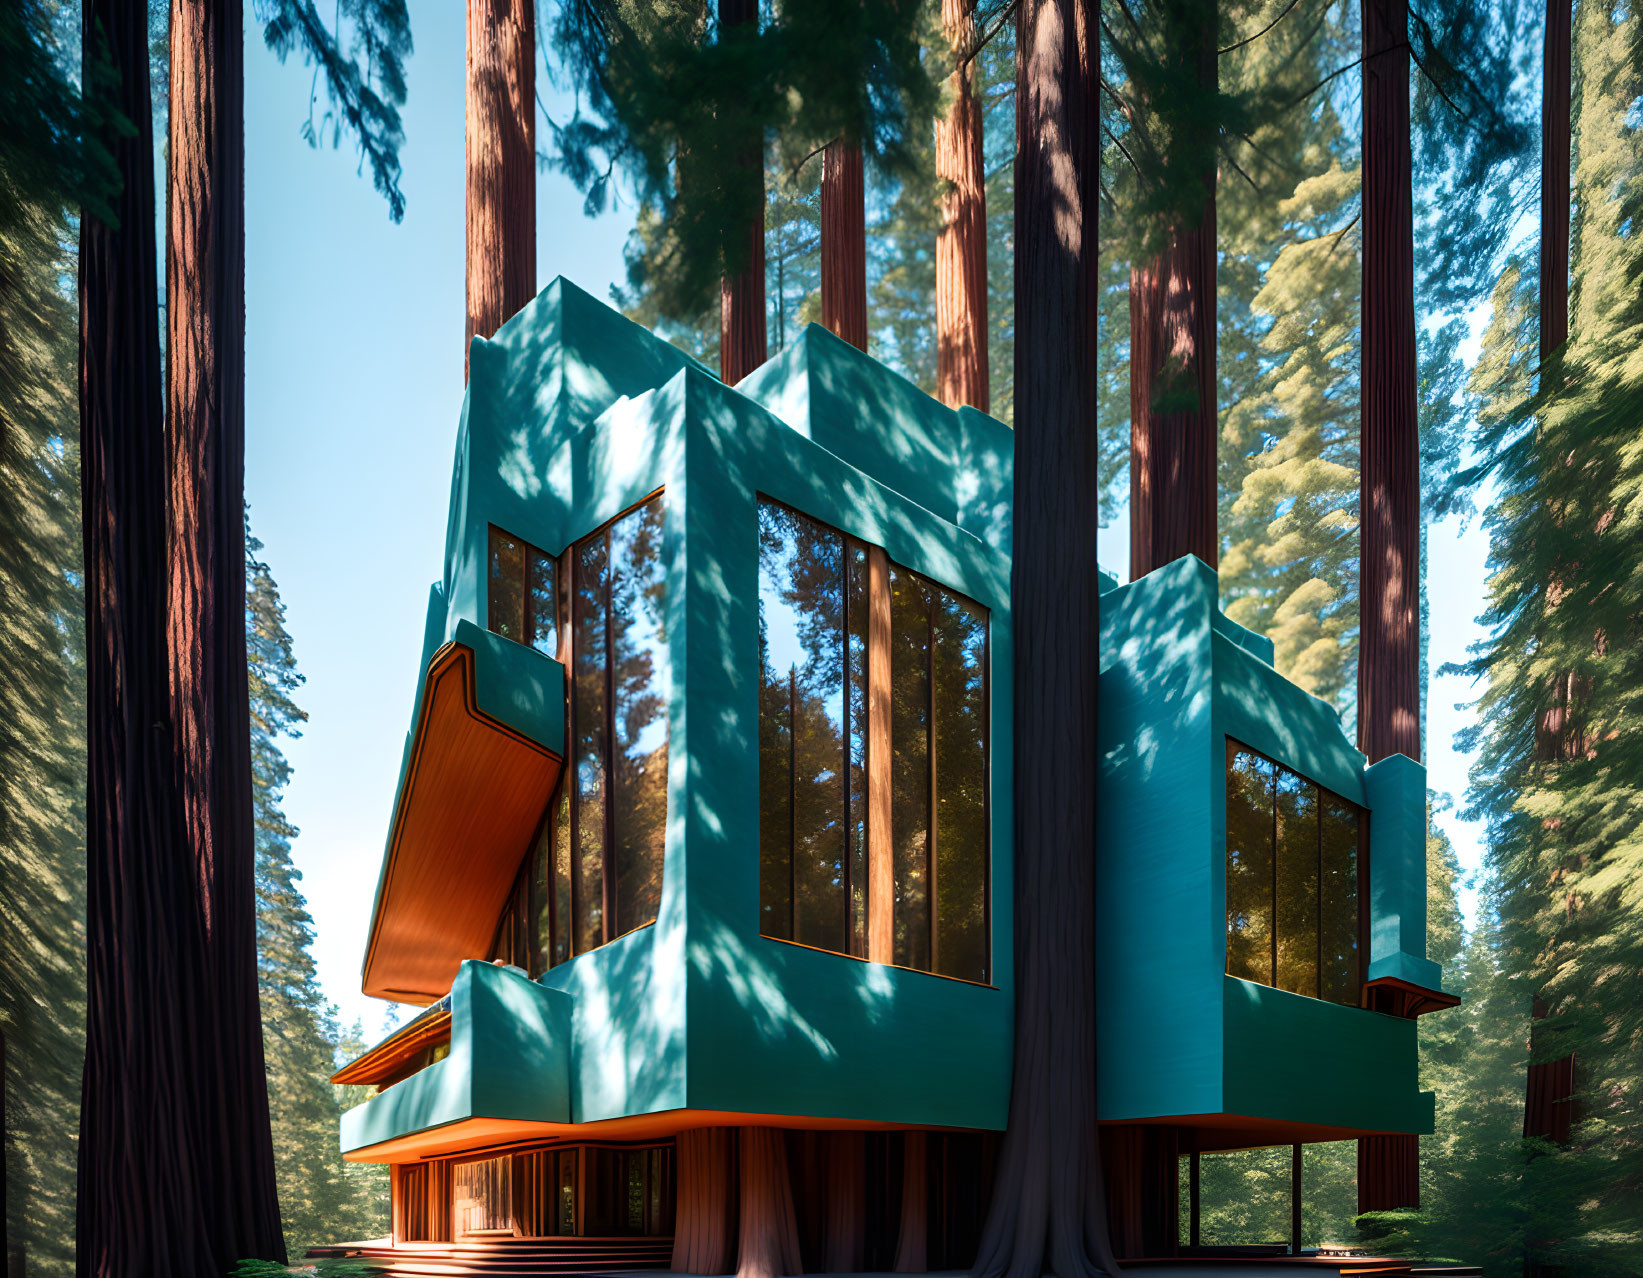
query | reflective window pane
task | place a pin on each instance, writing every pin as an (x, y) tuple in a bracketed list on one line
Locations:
[(803, 818), (960, 705), (505, 586), (639, 717), (1297, 884), (910, 724), (1338, 974), (1249, 866), (590, 665), (856, 604), (544, 633), (1292, 881)]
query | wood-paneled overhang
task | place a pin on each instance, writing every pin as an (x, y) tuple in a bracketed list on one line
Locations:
[(472, 796), (1397, 997), (388, 1060)]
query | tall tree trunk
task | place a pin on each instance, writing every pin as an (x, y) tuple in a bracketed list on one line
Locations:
[(143, 1194), (1047, 1213), (961, 245), (768, 1242), (1389, 494), (1173, 429), (743, 345), (1554, 180), (845, 1237), (1389, 497), (704, 1234), (210, 700), (501, 151), (844, 243), (1548, 1108)]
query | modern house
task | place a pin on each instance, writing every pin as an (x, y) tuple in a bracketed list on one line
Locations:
[(704, 824)]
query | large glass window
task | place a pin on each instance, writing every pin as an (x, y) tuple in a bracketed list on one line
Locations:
[(594, 870), (520, 593), (817, 595), (812, 738), (1292, 881)]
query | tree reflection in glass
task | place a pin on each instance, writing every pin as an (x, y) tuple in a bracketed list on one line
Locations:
[(804, 819)]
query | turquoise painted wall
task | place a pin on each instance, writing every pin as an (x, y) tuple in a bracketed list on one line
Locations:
[(574, 414), (510, 1050), (1178, 1035)]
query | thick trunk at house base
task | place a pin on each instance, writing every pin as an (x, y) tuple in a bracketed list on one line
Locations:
[(1389, 498), (913, 1240), (501, 153), (1389, 502), (845, 1242), (1172, 402), (704, 1228), (1141, 1167), (1047, 1211), (961, 246), (768, 1244), (1388, 1173), (210, 705), (844, 243)]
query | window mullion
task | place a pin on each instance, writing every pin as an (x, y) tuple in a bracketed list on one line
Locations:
[(880, 845), (930, 751), (607, 923)]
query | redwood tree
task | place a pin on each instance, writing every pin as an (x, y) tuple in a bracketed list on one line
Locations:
[(144, 1191), (501, 163), (961, 245), (1047, 1213), (1173, 430), (844, 243), (742, 342), (1389, 484), (205, 573)]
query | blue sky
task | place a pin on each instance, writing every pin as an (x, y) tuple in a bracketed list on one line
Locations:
[(354, 342)]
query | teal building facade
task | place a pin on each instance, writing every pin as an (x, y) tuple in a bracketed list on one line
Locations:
[(704, 817)]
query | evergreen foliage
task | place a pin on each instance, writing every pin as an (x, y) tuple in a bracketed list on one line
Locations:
[(322, 1198), (1559, 443), (42, 708)]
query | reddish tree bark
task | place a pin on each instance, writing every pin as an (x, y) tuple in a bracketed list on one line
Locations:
[(143, 1192), (1555, 140), (501, 154), (1047, 1213), (704, 1229), (844, 243), (1173, 429), (768, 1242), (913, 1238), (210, 701), (1389, 481), (743, 344), (961, 245), (1389, 496)]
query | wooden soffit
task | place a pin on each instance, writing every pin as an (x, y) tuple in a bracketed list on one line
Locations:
[(430, 1029), (473, 792)]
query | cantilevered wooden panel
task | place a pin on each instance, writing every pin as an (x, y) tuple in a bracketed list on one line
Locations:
[(430, 1029), (474, 791)]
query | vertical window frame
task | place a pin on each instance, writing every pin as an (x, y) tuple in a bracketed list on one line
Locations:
[(879, 750), (1363, 816)]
